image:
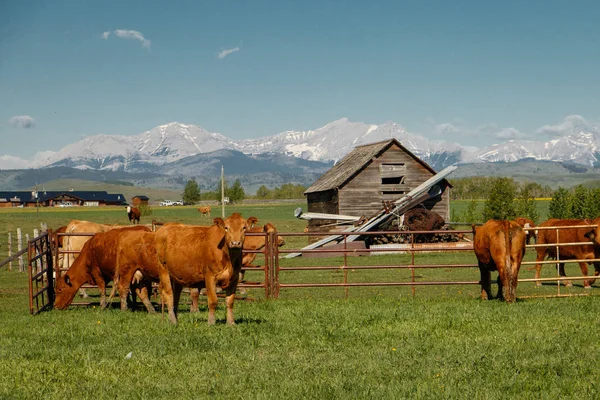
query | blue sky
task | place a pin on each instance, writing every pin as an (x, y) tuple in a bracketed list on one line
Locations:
[(296, 65)]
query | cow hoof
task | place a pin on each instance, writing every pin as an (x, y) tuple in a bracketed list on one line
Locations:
[(568, 284), (587, 287)]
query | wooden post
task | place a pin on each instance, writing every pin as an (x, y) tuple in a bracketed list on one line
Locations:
[(38, 264), (44, 226), (9, 250), (19, 248)]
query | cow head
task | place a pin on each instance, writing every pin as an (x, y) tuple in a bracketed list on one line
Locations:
[(128, 209), (64, 292), (235, 227), (270, 228), (594, 235)]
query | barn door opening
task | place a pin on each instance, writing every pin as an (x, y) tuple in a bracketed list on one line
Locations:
[(41, 284)]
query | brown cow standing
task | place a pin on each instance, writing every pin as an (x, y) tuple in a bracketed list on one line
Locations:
[(528, 226), (204, 211), (95, 264), (499, 245), (250, 243), (578, 252), (201, 257), (136, 262), (134, 214)]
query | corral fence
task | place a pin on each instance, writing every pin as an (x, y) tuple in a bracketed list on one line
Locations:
[(45, 257)]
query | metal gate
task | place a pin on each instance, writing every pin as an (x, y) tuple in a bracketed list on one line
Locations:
[(41, 282)]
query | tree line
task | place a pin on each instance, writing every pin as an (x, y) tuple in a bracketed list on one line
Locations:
[(507, 199), (236, 193)]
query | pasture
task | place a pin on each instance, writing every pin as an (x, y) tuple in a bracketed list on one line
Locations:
[(444, 342)]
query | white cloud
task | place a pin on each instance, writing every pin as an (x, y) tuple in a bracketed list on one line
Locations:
[(128, 34), (572, 124), (11, 162), (227, 52), (22, 121)]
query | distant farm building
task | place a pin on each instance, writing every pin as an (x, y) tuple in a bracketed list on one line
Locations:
[(139, 200), (370, 175), (60, 198)]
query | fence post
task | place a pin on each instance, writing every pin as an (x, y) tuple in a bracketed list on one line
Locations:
[(19, 248), (9, 250), (38, 262), (44, 226)]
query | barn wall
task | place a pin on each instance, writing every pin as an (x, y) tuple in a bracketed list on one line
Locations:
[(387, 177)]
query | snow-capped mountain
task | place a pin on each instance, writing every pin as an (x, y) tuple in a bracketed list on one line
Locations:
[(574, 140)]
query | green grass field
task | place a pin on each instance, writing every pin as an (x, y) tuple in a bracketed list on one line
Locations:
[(379, 342)]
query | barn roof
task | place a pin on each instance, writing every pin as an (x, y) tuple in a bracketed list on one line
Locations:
[(355, 161)]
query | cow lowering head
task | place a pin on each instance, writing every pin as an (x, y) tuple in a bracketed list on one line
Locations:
[(235, 227), (64, 292)]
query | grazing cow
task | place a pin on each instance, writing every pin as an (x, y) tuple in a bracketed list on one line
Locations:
[(96, 264), (204, 211), (528, 226), (134, 214), (578, 252), (250, 243), (499, 245), (75, 243), (201, 257)]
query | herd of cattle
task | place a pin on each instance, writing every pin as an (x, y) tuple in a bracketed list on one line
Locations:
[(175, 256), (206, 257), (500, 245)]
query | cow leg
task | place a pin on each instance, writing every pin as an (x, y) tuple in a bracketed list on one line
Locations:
[(194, 295), (230, 297), (561, 272), (211, 295), (166, 293), (596, 272), (486, 289), (584, 272), (541, 254), (144, 293), (177, 288)]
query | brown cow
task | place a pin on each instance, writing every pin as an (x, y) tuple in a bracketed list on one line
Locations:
[(136, 263), (250, 243), (528, 226), (96, 265), (578, 252), (134, 214), (499, 245), (204, 210), (201, 257)]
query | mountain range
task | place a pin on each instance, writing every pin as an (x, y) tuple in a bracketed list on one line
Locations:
[(168, 155)]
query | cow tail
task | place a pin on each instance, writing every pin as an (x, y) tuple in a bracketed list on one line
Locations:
[(507, 264)]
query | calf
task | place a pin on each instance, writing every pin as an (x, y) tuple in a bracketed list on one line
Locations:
[(95, 265), (201, 257), (577, 252), (134, 214), (499, 245), (528, 226)]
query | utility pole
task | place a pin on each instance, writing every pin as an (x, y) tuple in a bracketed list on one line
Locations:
[(222, 192)]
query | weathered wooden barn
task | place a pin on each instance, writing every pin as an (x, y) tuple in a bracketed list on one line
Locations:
[(369, 175)]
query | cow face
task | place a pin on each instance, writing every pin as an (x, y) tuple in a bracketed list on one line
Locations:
[(235, 227), (64, 292), (593, 235)]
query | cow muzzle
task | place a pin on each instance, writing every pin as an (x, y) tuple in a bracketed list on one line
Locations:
[(235, 244)]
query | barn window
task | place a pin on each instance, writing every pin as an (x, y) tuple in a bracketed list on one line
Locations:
[(395, 180), (392, 192)]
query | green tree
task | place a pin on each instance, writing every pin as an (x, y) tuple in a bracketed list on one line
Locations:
[(560, 204), (500, 203), (217, 193), (580, 203), (525, 204), (191, 193), (263, 192), (237, 194), (594, 203), (471, 213)]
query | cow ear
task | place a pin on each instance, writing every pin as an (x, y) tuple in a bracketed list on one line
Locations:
[(68, 280), (252, 221), (219, 221)]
